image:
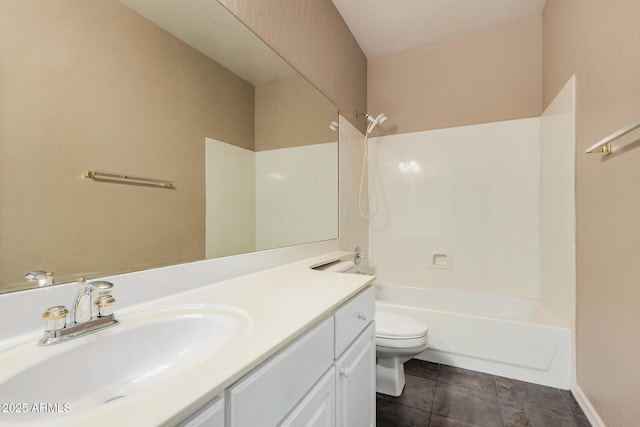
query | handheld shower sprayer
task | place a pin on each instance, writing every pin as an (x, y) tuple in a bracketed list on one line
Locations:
[(378, 120), (373, 122)]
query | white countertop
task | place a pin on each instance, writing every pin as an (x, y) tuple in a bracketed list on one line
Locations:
[(282, 303)]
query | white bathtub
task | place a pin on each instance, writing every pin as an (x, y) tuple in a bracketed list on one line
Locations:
[(517, 338)]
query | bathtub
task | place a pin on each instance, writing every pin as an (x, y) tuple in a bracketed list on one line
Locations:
[(518, 338)]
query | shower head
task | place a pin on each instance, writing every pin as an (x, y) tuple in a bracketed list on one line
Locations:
[(378, 120), (381, 118)]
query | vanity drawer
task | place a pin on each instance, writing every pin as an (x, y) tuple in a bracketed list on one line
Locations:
[(266, 396), (352, 318)]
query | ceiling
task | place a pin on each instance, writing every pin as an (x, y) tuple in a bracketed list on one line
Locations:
[(387, 26)]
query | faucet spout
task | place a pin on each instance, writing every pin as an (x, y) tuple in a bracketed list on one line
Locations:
[(44, 278), (90, 300), (81, 311)]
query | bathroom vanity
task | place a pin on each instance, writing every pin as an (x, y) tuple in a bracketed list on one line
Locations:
[(283, 346), (324, 378)]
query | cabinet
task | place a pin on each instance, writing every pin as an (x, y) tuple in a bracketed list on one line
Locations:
[(267, 395), (325, 378), (318, 408), (356, 382)]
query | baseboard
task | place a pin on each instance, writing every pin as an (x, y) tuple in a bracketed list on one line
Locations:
[(586, 406)]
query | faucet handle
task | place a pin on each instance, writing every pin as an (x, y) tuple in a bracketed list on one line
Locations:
[(102, 286), (105, 305), (358, 255), (55, 318)]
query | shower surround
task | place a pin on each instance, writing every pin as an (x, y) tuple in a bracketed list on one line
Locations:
[(478, 212), (469, 192)]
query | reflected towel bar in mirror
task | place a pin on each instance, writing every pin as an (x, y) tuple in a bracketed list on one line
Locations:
[(604, 145), (108, 176)]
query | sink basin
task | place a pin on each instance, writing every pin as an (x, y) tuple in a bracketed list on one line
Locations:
[(140, 352)]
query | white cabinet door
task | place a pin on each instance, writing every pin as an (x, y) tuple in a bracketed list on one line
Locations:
[(318, 408), (356, 382), (210, 415), (265, 397)]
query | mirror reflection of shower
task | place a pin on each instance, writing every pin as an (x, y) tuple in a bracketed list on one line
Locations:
[(375, 203)]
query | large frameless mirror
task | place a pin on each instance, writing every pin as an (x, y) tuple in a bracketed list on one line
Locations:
[(175, 90)]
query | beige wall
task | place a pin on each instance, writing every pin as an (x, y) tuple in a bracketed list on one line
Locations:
[(488, 76), (600, 42), (291, 113), (312, 36), (93, 85)]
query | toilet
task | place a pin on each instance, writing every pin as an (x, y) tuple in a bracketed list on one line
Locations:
[(398, 339)]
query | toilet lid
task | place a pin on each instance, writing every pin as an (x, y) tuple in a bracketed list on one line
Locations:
[(395, 326)]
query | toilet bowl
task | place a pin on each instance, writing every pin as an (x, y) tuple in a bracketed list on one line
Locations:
[(398, 339)]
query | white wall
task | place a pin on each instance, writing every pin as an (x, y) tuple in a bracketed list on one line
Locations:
[(557, 202), (249, 197), (307, 175), (280, 179), (230, 199), (471, 192)]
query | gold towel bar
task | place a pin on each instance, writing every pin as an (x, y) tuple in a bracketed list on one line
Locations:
[(108, 176), (604, 145)]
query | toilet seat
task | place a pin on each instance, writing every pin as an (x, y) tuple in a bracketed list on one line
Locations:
[(394, 327), (401, 343)]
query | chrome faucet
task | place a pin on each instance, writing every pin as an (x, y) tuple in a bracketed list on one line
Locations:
[(92, 310), (43, 278), (92, 300)]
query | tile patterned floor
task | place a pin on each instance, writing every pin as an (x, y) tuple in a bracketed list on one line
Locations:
[(444, 396)]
